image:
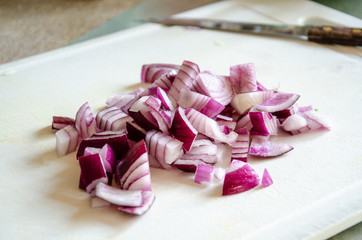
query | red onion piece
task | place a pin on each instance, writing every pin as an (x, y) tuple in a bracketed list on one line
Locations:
[(152, 72), (184, 78), (133, 172), (67, 140), (266, 180), (61, 122), (264, 123), (239, 151), (118, 142), (244, 101), (263, 148), (147, 200), (279, 101), (240, 177), (163, 148), (294, 122), (107, 155), (118, 196), (203, 174), (216, 87), (165, 101), (161, 122), (112, 119), (182, 129), (188, 165), (92, 171), (243, 78), (199, 102), (85, 122), (135, 132), (209, 127)]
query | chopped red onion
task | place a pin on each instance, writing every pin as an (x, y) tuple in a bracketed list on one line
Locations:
[(239, 151), (240, 177), (244, 101), (163, 148), (135, 132), (112, 119), (264, 123), (107, 155), (243, 78), (165, 101), (133, 172), (118, 196), (182, 129), (184, 78), (209, 127), (85, 122), (266, 180), (216, 87), (67, 140), (117, 141), (263, 148), (151, 72), (203, 174), (147, 200), (92, 171), (294, 122), (61, 122), (279, 101), (200, 102)]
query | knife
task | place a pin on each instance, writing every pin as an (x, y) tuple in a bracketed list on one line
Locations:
[(321, 34)]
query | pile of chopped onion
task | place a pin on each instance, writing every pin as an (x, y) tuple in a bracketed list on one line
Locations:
[(184, 120)]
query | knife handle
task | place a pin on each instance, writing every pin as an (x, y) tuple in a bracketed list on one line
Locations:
[(336, 35)]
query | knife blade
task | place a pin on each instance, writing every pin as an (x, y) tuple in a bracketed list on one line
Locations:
[(321, 34)]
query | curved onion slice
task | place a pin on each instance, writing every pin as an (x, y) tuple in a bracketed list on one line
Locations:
[(243, 78), (240, 177), (294, 122), (118, 196), (244, 101), (152, 72), (263, 148), (278, 102), (147, 200), (112, 119)]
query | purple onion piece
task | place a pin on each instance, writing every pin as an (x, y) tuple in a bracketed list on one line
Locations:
[(135, 132), (242, 102), (118, 196), (147, 200), (239, 151), (85, 122), (266, 180), (151, 72), (263, 148), (203, 174), (134, 169), (118, 142), (67, 140), (60, 122), (243, 78), (264, 123), (92, 171), (279, 101), (182, 129), (240, 177)]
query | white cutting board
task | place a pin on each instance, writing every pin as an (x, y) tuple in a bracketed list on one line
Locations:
[(317, 190)]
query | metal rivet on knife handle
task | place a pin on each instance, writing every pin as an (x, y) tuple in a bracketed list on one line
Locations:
[(336, 35)]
